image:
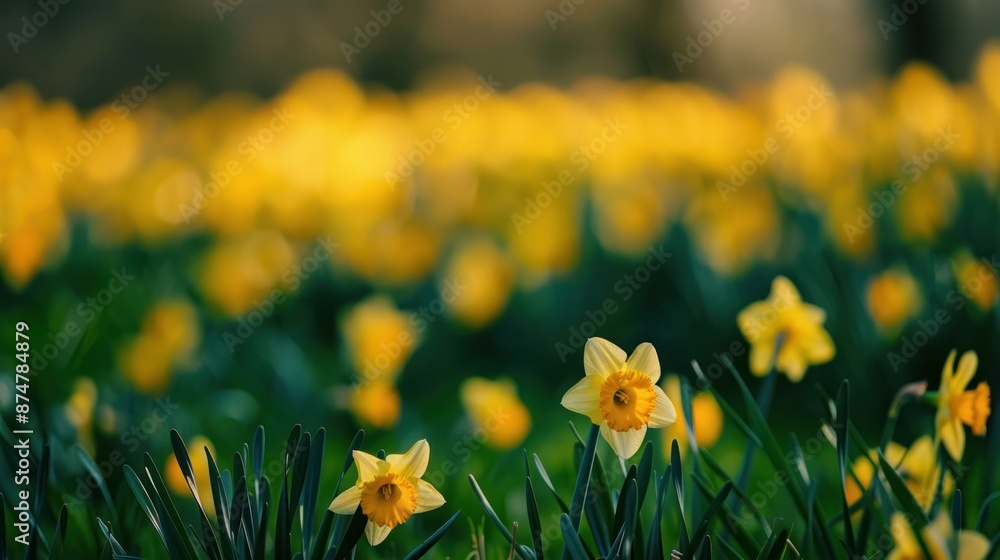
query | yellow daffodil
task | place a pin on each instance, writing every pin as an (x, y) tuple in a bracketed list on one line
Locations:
[(970, 545), (496, 411), (380, 337), (977, 280), (893, 298), (804, 340), (389, 491), (80, 411), (169, 335), (957, 406), (620, 395), (918, 466), (199, 463), (707, 418), (376, 403), (485, 274)]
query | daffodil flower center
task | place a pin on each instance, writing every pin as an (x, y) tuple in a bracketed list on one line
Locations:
[(627, 400), (388, 499), (972, 407)]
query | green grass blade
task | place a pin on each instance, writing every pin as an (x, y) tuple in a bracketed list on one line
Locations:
[(548, 483), (915, 515), (701, 531), (432, 540), (310, 491), (211, 547), (843, 414), (654, 542), (353, 534), (521, 550), (116, 548), (534, 520), (95, 472), (583, 477), (574, 547), (678, 479)]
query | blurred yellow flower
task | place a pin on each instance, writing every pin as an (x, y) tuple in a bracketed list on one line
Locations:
[(800, 326), (918, 466), (236, 274), (977, 280), (971, 545), (80, 411), (380, 338), (927, 205), (485, 274), (168, 337), (174, 478), (496, 411), (376, 403), (893, 298), (174, 324), (620, 395), (708, 418), (957, 406), (988, 74), (733, 230), (389, 491)]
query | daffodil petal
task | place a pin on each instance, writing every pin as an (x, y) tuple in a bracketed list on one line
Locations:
[(820, 347), (376, 533), (644, 360), (953, 438), (947, 372), (347, 502), (792, 363), (760, 358), (413, 462), (784, 292), (664, 413), (751, 320), (367, 465), (601, 357), (972, 545), (428, 497), (967, 365), (624, 444), (584, 398)]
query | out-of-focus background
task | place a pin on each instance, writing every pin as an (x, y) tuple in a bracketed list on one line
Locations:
[(408, 217)]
